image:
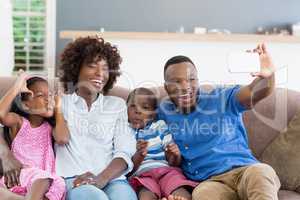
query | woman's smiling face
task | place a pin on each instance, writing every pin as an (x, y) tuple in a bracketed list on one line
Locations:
[(94, 76)]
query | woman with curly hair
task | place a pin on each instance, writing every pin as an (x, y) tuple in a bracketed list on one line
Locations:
[(94, 155)]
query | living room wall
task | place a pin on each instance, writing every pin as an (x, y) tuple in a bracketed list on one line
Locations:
[(169, 15)]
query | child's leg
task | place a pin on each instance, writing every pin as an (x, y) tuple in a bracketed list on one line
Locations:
[(38, 189), (175, 186), (179, 194), (183, 192), (5, 194), (145, 194)]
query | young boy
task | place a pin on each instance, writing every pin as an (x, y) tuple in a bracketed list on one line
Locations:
[(155, 174)]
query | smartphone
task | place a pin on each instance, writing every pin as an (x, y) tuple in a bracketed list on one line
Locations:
[(168, 139), (243, 62), (154, 142)]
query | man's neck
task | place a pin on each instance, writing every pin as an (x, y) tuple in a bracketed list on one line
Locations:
[(186, 111)]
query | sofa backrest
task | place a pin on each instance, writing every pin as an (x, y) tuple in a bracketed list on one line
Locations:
[(263, 123), (270, 117)]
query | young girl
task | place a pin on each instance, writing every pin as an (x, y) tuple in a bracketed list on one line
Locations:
[(30, 139), (156, 174)]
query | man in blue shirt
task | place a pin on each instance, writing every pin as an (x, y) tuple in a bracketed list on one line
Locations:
[(208, 128)]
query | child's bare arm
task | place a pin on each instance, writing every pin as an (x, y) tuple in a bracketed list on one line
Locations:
[(38, 189), (11, 119), (61, 132)]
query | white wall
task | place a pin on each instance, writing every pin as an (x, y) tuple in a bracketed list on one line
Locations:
[(143, 61), (6, 39)]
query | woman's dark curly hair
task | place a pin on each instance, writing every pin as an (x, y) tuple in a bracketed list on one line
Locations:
[(84, 51)]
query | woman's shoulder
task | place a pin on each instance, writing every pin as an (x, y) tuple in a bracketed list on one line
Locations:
[(114, 101), (66, 97)]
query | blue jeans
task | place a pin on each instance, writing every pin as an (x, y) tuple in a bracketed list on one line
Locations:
[(115, 190)]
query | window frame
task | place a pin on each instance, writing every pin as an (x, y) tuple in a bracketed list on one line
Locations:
[(50, 39)]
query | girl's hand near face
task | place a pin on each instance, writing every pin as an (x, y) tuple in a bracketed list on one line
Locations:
[(61, 131), (8, 118), (20, 83), (57, 103)]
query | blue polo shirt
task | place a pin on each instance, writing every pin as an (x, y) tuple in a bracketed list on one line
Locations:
[(212, 139)]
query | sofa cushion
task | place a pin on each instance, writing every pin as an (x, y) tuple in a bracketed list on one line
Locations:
[(288, 195), (283, 154), (270, 117)]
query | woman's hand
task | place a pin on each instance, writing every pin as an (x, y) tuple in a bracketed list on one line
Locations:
[(11, 170), (89, 178), (83, 179)]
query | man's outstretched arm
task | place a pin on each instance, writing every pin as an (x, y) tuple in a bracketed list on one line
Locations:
[(263, 84)]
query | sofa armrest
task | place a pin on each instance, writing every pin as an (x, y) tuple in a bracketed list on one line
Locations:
[(1, 169)]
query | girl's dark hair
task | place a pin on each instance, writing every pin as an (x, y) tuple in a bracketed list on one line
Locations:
[(17, 108), (87, 50)]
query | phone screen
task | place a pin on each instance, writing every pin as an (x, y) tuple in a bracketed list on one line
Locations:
[(243, 62)]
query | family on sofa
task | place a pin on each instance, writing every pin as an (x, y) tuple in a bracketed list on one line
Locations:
[(192, 145)]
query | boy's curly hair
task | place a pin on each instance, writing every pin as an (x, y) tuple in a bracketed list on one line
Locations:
[(86, 50)]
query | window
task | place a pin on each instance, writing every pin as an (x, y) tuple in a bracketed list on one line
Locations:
[(34, 35)]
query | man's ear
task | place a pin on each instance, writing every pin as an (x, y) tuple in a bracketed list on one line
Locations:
[(166, 87)]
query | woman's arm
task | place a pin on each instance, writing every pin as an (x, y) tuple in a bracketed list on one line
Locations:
[(139, 155), (124, 147), (115, 169)]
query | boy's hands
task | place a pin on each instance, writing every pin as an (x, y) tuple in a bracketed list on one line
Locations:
[(173, 150), (173, 154), (141, 147)]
